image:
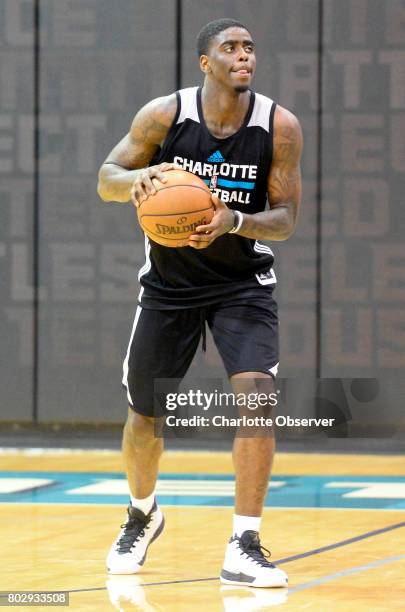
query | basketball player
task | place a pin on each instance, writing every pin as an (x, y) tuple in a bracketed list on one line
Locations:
[(224, 277)]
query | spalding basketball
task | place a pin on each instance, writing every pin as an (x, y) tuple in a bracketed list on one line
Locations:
[(171, 215)]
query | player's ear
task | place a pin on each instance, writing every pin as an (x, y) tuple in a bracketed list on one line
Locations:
[(205, 64)]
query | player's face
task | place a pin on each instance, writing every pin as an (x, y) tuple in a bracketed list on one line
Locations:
[(231, 58)]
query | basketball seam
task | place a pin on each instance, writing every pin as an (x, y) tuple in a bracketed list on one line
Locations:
[(176, 214), (205, 189), (180, 185), (164, 237)]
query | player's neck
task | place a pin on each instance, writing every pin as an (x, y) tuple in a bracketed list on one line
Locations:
[(224, 106)]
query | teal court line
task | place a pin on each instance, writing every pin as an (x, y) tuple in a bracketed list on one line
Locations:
[(295, 492)]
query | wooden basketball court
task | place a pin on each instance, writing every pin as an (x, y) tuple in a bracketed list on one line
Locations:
[(335, 524)]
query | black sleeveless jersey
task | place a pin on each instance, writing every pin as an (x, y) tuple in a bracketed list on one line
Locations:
[(185, 277)]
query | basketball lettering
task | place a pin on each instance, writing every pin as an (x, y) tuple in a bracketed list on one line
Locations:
[(179, 229)]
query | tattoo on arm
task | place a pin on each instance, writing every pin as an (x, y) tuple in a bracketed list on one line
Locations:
[(148, 131), (284, 182)]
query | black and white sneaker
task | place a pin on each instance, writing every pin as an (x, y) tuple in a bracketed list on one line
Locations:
[(128, 552), (245, 563)]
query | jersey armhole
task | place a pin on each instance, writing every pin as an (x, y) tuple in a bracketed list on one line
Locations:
[(168, 138), (271, 129), (271, 137)]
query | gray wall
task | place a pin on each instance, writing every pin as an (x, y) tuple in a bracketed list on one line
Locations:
[(363, 248), (98, 63), (16, 209)]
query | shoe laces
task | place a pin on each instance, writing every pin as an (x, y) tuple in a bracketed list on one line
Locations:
[(134, 529), (249, 544)]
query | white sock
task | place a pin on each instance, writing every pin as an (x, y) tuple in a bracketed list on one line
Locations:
[(144, 504), (245, 523)]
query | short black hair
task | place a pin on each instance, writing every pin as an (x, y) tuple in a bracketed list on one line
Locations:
[(209, 31)]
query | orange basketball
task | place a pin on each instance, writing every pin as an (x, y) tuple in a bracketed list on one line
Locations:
[(181, 204)]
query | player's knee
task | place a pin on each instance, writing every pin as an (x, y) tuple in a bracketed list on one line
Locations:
[(251, 382), (138, 425), (259, 394)]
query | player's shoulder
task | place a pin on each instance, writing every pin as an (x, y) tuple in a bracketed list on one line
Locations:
[(162, 109), (286, 126), (286, 120)]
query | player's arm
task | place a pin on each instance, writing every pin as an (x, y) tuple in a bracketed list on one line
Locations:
[(283, 188), (283, 183), (124, 175)]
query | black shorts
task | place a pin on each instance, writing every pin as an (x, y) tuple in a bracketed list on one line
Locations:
[(163, 343)]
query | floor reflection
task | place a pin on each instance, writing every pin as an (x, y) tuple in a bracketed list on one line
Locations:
[(124, 590), (249, 599)]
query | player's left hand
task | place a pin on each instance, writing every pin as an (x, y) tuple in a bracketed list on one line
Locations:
[(221, 223)]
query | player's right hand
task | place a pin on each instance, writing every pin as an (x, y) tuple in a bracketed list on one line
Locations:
[(147, 179)]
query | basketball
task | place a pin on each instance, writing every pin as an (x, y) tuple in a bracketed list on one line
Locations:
[(170, 216)]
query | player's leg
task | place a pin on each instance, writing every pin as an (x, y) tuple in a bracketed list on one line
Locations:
[(141, 452), (253, 448), (156, 351), (247, 338), (141, 449), (245, 559)]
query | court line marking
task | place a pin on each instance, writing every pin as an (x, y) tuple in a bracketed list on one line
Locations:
[(344, 573), (317, 551), (309, 553), (296, 589)]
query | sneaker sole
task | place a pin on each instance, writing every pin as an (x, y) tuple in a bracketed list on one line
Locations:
[(142, 561), (249, 581), (155, 536)]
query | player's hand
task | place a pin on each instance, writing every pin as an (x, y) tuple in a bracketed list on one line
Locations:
[(221, 223), (147, 179)]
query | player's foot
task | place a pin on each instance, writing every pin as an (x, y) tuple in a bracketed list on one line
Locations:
[(128, 552), (245, 563)]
